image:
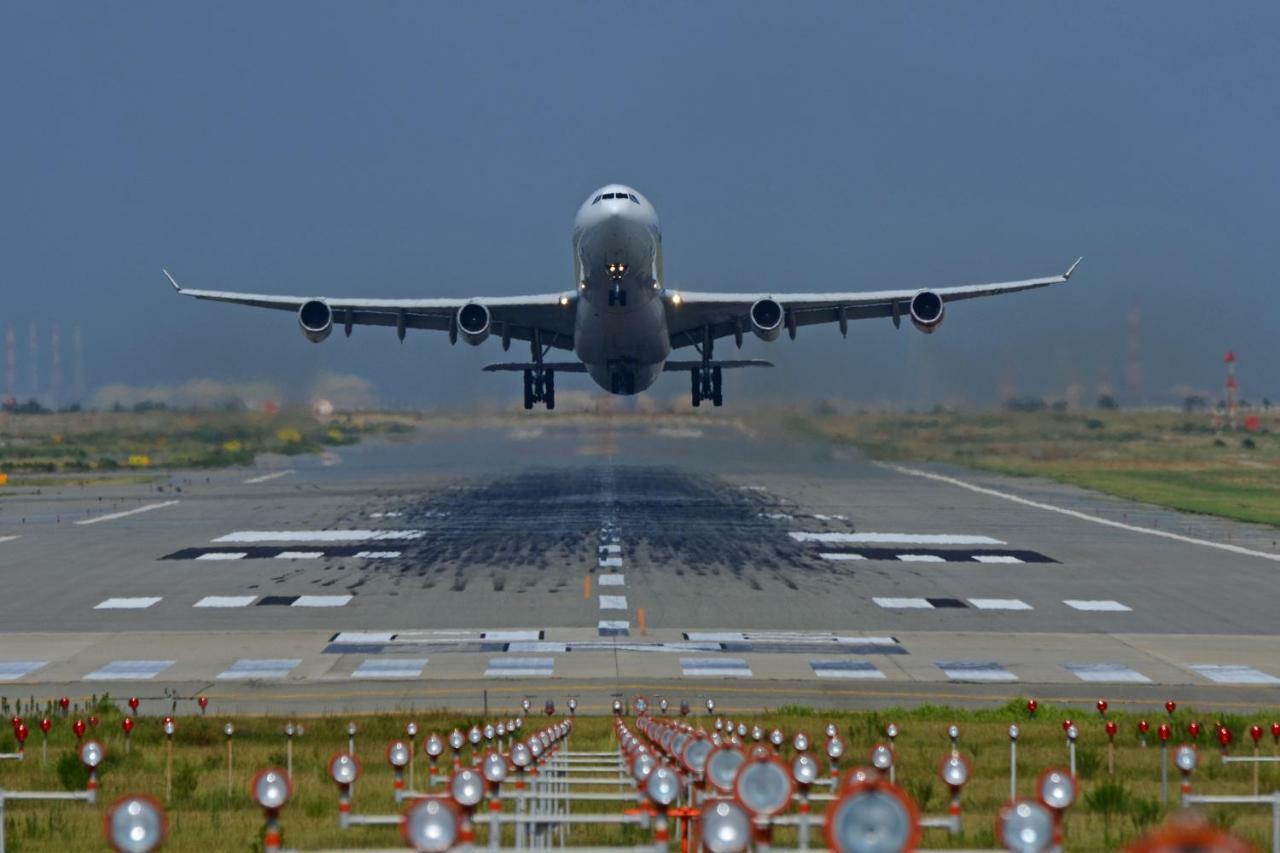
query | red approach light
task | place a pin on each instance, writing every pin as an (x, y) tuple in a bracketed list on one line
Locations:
[(1066, 724), (1112, 728), (1171, 706), (203, 702), (1224, 737), (1193, 729), (1255, 732), (46, 724), (133, 704), (15, 721), (93, 721), (1143, 727), (1275, 731), (64, 703), (127, 724), (1164, 731), (1102, 706), (1031, 706), (20, 732), (78, 728)]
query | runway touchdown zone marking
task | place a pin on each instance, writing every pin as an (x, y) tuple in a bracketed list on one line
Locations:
[(390, 668), (845, 669), (12, 670), (129, 670), (255, 668), (520, 668), (226, 601), (127, 603), (614, 628), (305, 600), (1229, 674), (960, 670), (714, 668), (1097, 605), (1106, 673), (894, 538), (613, 602)]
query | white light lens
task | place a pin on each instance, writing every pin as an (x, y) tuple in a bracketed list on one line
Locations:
[(776, 737), (135, 824), (520, 755), (726, 827), (835, 748), (474, 735), (662, 786), (430, 826), (91, 754), (764, 787), (695, 754), (643, 766), (1026, 827), (456, 740), (1185, 758), (722, 767), (495, 768), (398, 754), (1013, 732), (1057, 790), (271, 789), (882, 757), (869, 821), (800, 742), (804, 769), (467, 787), (228, 730), (955, 772), (434, 745), (343, 769)]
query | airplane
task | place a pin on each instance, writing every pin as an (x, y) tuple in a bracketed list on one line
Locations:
[(620, 319)]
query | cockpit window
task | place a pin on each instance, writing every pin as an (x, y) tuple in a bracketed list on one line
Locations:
[(633, 198), (596, 199)]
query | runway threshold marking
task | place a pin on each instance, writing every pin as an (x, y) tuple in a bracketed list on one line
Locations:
[(1105, 522), (126, 513)]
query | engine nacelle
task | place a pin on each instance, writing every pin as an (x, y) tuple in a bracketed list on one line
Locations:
[(315, 318), (473, 323), (766, 319), (926, 311)]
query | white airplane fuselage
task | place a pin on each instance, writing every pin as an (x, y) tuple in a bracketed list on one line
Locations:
[(620, 329)]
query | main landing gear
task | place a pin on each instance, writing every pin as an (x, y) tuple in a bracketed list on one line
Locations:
[(539, 387), (705, 384)]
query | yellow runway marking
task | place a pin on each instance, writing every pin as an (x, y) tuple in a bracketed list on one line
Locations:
[(586, 587), (640, 619)]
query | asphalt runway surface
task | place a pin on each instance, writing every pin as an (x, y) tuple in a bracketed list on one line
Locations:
[(687, 559)]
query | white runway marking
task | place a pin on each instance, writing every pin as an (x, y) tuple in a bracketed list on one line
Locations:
[(322, 601), (254, 668), (1220, 674), (129, 670), (1106, 522), (265, 477), (127, 603), (224, 555), (613, 625), (860, 669), (611, 549), (520, 668), (995, 558), (12, 670), (1107, 673), (511, 636), (226, 601), (610, 562), (9, 538), (715, 667), (1097, 606), (829, 517), (610, 580), (999, 604), (392, 514), (299, 555), (390, 668), (961, 670), (837, 557), (126, 513), (895, 538), (613, 602), (377, 555), (903, 603), (245, 537), (920, 558), (777, 516)]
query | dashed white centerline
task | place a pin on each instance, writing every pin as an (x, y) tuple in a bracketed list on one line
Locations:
[(613, 602), (265, 477), (611, 580), (126, 513)]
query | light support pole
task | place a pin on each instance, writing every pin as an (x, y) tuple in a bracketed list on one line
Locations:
[(1013, 763)]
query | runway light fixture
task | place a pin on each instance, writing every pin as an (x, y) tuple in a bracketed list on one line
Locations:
[(271, 789), (1185, 758), (726, 827), (467, 788), (882, 758), (722, 767), (433, 746), (777, 738), (642, 766), (954, 771), (1025, 826), (872, 817), (805, 770), (521, 757), (662, 786), (398, 754), (835, 748), (800, 742), (344, 769), (494, 768), (695, 754), (711, 706), (1056, 789), (1013, 732), (135, 823), (764, 787), (431, 825)]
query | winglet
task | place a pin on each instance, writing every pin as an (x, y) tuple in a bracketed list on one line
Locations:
[(175, 284), (1065, 275)]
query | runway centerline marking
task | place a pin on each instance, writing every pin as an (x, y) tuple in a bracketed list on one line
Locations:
[(244, 537), (265, 477), (895, 538), (113, 516), (613, 602), (1105, 522), (612, 580)]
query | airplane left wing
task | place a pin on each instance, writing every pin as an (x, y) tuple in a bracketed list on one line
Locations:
[(692, 318), (546, 318)]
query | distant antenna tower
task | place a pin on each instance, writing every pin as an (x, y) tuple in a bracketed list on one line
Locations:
[(1233, 389), (1133, 344), (77, 368), (34, 341), (55, 374), (10, 363)]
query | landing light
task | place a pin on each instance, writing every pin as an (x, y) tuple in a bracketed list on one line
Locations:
[(675, 299), (564, 301)]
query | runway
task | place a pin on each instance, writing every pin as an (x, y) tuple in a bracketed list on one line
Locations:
[(690, 559)]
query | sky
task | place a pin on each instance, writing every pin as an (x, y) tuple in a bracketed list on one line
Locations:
[(431, 149)]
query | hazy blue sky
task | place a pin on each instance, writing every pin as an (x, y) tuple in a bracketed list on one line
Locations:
[(403, 149)]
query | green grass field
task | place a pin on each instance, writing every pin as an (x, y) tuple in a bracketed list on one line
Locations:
[(205, 815), (1162, 458)]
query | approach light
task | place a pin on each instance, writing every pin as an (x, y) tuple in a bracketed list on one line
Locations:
[(726, 827), (344, 768), (135, 823), (271, 789), (764, 786), (433, 745), (431, 825), (398, 754), (954, 771), (800, 742), (872, 817), (494, 768), (804, 769), (881, 757), (91, 754), (662, 786), (1184, 758), (722, 766), (467, 787), (695, 754), (1056, 789), (1025, 826)]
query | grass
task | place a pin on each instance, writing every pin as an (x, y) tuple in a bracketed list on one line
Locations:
[(1163, 458), (203, 815)]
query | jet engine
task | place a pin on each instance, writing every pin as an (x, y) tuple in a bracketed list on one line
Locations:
[(315, 317), (766, 319), (926, 311), (473, 323)]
